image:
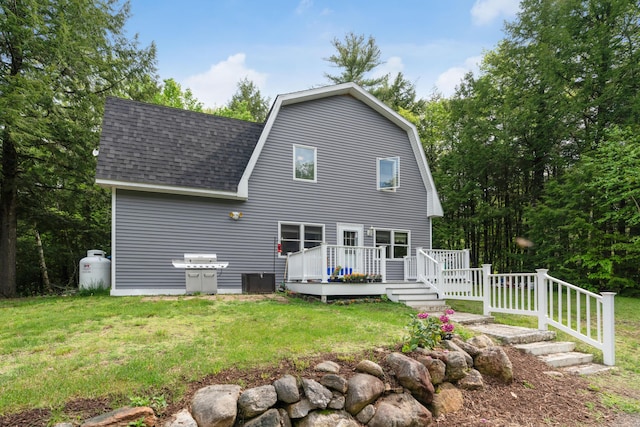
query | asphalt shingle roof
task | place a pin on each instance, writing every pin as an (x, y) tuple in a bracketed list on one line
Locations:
[(152, 144)]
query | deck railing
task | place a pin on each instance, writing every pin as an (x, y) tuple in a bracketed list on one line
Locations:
[(324, 261)]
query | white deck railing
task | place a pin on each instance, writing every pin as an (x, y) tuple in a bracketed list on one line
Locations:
[(321, 262), (582, 314)]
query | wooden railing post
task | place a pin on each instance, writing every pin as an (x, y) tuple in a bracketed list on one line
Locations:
[(383, 263), (541, 289), (486, 289), (440, 280), (608, 329), (325, 263)]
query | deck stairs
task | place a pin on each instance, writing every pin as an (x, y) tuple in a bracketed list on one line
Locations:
[(543, 344), (416, 295)]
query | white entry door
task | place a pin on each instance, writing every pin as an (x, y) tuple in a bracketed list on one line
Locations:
[(350, 235)]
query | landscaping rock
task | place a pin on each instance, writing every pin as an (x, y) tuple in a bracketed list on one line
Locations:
[(447, 399), (493, 361), (255, 401), (337, 402), (328, 366), (451, 346), (400, 410), (331, 419), (334, 382), (284, 418), (470, 349), (300, 409), (181, 419), (366, 414), (215, 405), (436, 368), (363, 390), (456, 366), (481, 341), (287, 389), (412, 375), (123, 417), (270, 418), (472, 381), (371, 368), (318, 395)]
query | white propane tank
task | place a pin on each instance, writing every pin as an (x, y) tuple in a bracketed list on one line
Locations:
[(95, 271)]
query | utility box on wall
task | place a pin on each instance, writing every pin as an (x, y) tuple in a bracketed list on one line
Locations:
[(258, 283)]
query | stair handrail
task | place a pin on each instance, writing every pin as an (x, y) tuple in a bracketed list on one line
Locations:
[(429, 271)]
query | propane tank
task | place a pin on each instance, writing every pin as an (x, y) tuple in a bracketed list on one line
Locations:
[(95, 271)]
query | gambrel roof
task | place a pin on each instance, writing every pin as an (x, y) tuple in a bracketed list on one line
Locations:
[(160, 149)]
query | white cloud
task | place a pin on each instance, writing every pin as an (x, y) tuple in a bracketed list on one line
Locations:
[(485, 12), (447, 81), (216, 86), (303, 6)]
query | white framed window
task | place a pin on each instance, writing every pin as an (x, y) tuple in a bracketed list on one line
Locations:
[(305, 160), (388, 173), (397, 242), (294, 236)]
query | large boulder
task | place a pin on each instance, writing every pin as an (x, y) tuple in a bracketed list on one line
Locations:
[(328, 419), (363, 389), (447, 399), (216, 405), (181, 419), (472, 381), (257, 400), (436, 367), (300, 409), (371, 368), (318, 395), (287, 389), (456, 366), (328, 366), (452, 346), (493, 361), (470, 349), (412, 375), (334, 382), (270, 418), (481, 341), (400, 410)]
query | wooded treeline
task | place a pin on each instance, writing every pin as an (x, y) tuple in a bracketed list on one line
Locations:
[(536, 159)]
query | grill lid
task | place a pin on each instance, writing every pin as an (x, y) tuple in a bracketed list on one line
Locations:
[(199, 261)]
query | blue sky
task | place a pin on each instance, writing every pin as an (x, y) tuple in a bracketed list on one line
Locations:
[(209, 45)]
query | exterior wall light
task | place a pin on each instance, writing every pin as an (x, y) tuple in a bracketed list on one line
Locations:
[(235, 215)]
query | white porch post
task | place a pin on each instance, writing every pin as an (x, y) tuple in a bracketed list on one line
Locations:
[(419, 265), (486, 289), (325, 263), (440, 279), (608, 329), (383, 263), (467, 258), (543, 298), (303, 265)]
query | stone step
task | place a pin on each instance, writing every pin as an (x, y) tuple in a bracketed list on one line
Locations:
[(428, 306), (471, 319), (546, 347), (587, 369), (507, 334), (571, 358)]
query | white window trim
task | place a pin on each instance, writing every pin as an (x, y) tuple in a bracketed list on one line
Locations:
[(301, 225), (391, 245), (397, 167), (315, 163)]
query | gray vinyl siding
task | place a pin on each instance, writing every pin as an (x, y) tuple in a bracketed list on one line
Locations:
[(151, 229)]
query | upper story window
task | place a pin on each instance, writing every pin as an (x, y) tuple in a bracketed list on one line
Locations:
[(397, 242), (388, 173), (304, 163), (296, 236)]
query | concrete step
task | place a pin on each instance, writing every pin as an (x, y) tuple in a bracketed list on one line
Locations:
[(513, 334), (546, 347), (470, 319), (428, 306), (571, 358), (587, 369)]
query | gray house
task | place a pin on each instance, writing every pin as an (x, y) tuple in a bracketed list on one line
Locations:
[(331, 166)]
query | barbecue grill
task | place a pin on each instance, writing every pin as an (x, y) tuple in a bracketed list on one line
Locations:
[(201, 272)]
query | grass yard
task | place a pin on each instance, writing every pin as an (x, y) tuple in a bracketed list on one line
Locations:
[(621, 387), (58, 348)]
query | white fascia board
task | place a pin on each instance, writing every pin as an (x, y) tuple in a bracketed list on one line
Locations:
[(168, 189), (434, 207)]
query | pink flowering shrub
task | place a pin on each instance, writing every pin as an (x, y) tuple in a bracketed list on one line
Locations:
[(427, 331)]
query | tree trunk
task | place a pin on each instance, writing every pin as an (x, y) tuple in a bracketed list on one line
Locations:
[(43, 263), (8, 217)]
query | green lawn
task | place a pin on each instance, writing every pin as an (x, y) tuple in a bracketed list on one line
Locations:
[(56, 349)]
